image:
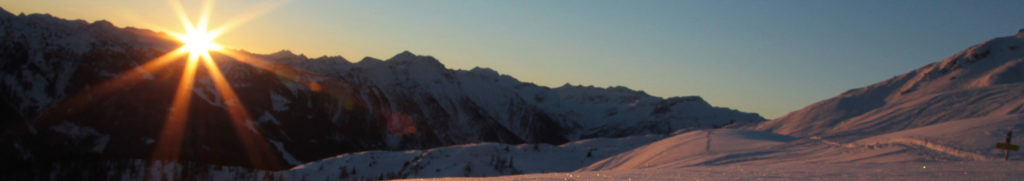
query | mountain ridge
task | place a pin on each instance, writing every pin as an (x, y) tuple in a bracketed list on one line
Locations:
[(306, 109), (979, 81)]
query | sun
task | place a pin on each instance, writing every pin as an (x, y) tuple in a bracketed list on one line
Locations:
[(199, 41), (197, 46)]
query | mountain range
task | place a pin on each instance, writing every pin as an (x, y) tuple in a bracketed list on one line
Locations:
[(68, 103), (945, 116), (71, 112)]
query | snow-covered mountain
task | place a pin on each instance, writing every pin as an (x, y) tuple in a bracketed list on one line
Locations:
[(939, 122), (983, 81), (59, 113), (410, 116), (948, 114)]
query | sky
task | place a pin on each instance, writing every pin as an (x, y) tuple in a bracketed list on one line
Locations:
[(768, 57)]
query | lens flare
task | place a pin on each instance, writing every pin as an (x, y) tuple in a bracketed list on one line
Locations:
[(199, 42)]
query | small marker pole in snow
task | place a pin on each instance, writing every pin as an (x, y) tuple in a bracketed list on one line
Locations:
[(1008, 146)]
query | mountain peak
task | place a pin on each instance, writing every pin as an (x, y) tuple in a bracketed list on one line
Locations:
[(484, 71), (989, 63), (408, 58), (104, 25), (286, 54), (404, 55), (369, 60), (338, 59)]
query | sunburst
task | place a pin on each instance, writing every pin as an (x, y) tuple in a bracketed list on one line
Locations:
[(198, 42)]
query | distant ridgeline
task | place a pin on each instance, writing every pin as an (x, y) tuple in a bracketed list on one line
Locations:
[(61, 109)]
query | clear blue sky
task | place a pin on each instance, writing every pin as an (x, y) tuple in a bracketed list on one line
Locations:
[(769, 57)]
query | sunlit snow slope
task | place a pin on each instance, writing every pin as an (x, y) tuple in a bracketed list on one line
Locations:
[(953, 110), (985, 80)]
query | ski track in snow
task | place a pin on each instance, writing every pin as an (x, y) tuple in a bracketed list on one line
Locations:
[(908, 142)]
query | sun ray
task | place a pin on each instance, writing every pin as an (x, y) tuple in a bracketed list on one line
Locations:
[(162, 61), (170, 139), (256, 148), (204, 17), (182, 15), (198, 43), (125, 79), (179, 36)]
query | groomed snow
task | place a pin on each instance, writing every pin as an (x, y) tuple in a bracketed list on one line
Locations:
[(691, 148)]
